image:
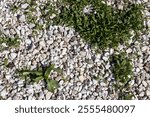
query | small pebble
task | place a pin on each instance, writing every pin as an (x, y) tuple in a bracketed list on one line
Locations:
[(13, 56)]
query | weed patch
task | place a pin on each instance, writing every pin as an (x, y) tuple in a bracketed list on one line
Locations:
[(99, 24), (123, 74), (9, 42), (42, 73)]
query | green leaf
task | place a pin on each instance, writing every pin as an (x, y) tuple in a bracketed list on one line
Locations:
[(48, 71), (38, 73), (25, 73), (28, 72), (58, 70), (37, 79), (52, 85), (5, 61)]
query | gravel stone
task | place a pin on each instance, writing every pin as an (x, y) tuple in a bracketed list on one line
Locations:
[(105, 58), (141, 94), (22, 18), (129, 50), (48, 95), (13, 56), (148, 92), (137, 70), (42, 43), (4, 93), (24, 6), (82, 78), (8, 77), (83, 54), (144, 48), (64, 51), (144, 83), (31, 25), (28, 41)]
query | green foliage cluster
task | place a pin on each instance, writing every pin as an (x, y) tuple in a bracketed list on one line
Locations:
[(42, 73), (10, 42), (123, 74), (104, 26)]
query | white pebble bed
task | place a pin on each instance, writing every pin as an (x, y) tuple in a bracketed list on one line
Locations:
[(64, 48)]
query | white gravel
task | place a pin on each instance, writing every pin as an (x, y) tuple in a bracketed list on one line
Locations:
[(61, 46)]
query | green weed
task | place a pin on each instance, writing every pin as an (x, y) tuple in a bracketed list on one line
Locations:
[(10, 42), (104, 26), (42, 73), (123, 74)]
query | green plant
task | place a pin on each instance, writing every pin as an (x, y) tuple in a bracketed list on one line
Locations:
[(6, 61), (123, 74), (14, 8), (41, 74), (10, 42), (104, 26), (125, 95)]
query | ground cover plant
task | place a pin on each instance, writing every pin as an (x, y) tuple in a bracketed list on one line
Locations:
[(41, 73), (123, 73), (9, 42), (99, 24)]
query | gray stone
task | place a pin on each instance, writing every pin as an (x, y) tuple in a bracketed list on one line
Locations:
[(35, 51), (28, 41), (107, 66), (4, 44), (82, 78), (50, 41), (4, 93), (30, 91), (48, 95), (42, 43), (31, 25), (129, 50), (22, 18), (64, 51), (145, 48), (8, 76), (95, 94), (111, 51), (137, 70), (66, 39), (50, 33), (61, 29), (52, 16), (132, 82), (105, 58), (12, 31), (95, 81), (148, 92), (24, 6), (13, 56), (144, 83), (83, 53), (20, 83)]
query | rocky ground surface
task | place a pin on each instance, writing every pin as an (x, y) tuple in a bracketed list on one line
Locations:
[(63, 47)]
